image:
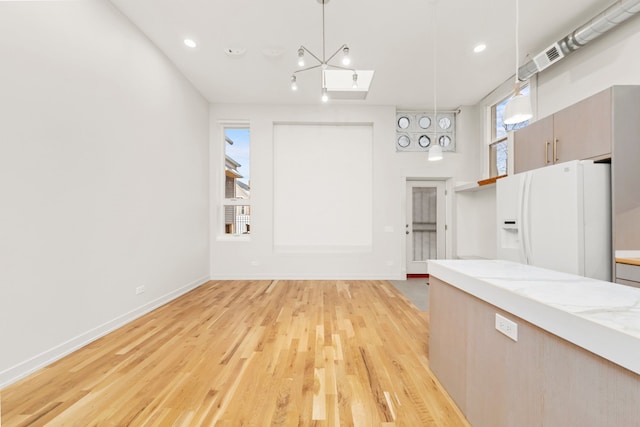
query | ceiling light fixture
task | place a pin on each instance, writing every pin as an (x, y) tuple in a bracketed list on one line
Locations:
[(518, 108), (190, 43), (479, 48), (324, 63), (435, 151)]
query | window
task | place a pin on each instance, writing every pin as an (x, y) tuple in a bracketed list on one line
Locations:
[(498, 158), (237, 182), (498, 149)]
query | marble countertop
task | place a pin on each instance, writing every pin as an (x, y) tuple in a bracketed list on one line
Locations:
[(601, 317)]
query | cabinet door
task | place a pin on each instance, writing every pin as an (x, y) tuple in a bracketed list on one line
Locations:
[(583, 131), (532, 145)]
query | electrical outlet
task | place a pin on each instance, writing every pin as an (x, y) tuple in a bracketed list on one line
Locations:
[(140, 290), (507, 327)]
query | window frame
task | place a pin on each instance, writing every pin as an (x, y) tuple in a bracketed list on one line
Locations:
[(231, 202), (501, 94)]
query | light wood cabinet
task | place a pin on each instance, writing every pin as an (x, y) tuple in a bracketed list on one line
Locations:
[(625, 171), (628, 274), (581, 131), (540, 380), (533, 145)]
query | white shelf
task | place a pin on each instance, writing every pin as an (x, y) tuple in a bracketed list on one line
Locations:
[(472, 187)]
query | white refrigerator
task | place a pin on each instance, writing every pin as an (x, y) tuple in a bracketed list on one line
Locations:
[(557, 217)]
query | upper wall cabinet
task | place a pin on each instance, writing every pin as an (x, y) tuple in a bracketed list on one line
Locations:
[(532, 145), (582, 131)]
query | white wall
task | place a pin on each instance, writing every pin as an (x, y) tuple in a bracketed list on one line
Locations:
[(476, 223), (255, 257), (103, 179), (609, 60)]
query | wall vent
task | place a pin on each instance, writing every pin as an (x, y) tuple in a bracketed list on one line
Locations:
[(611, 17), (548, 56)]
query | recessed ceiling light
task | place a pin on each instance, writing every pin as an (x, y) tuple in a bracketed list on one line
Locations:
[(273, 52), (190, 43), (479, 48), (235, 51)]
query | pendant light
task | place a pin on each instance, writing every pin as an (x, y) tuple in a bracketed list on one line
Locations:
[(435, 151), (518, 108)]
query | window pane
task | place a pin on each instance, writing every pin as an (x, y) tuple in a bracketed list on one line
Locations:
[(237, 190), (237, 219), (236, 159), (498, 158)]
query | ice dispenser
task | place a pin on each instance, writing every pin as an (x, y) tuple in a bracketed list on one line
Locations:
[(509, 238)]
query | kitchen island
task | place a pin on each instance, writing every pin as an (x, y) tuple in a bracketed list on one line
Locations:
[(575, 359)]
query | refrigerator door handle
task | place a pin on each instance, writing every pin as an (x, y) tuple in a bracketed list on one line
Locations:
[(526, 219), (520, 220)]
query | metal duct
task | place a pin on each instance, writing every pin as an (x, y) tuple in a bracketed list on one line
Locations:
[(614, 15)]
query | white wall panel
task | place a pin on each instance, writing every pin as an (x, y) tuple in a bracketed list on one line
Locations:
[(323, 185)]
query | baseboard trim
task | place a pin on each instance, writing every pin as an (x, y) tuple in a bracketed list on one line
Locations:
[(298, 277), (23, 369)]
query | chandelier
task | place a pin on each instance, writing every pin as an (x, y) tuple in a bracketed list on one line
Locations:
[(324, 63)]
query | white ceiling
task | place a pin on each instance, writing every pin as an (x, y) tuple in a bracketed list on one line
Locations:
[(392, 37)]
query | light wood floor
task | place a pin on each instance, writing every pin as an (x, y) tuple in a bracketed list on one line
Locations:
[(234, 353)]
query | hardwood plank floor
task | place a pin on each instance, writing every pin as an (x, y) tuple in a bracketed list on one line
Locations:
[(236, 353)]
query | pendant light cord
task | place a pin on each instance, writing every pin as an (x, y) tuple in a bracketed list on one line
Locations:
[(517, 91), (435, 66)]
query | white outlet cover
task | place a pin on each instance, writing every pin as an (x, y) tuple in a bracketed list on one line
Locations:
[(507, 327)]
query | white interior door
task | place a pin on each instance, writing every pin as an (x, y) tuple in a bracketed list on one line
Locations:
[(425, 225)]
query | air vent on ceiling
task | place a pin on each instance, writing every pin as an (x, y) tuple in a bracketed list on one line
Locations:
[(548, 56)]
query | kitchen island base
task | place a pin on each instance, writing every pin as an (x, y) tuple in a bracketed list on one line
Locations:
[(539, 380)]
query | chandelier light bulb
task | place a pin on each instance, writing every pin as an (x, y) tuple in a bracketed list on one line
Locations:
[(294, 83), (355, 81), (325, 95), (346, 59), (301, 57)]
